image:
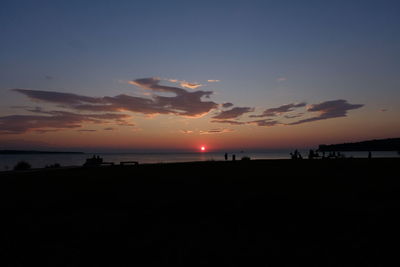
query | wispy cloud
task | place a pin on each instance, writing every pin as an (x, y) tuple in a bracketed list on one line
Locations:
[(190, 85), (43, 131), (233, 113), (232, 122), (125, 123), (271, 112), (187, 131), (217, 131), (281, 79), (213, 81), (52, 121), (265, 122), (87, 130), (57, 97), (294, 116), (328, 110)]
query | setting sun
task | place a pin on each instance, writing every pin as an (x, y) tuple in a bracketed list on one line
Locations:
[(203, 148)]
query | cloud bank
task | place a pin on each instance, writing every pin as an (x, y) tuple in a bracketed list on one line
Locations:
[(159, 99)]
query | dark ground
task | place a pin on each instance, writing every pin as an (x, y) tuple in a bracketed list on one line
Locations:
[(255, 213)]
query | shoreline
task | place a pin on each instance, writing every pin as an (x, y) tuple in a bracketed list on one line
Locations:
[(209, 161), (8, 162)]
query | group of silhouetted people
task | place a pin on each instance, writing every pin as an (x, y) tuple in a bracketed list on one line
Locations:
[(315, 155), (95, 160), (296, 155), (226, 156)]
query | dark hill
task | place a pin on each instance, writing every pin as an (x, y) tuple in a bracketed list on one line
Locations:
[(392, 144)]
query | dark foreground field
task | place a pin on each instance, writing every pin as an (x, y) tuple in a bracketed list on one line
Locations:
[(255, 213)]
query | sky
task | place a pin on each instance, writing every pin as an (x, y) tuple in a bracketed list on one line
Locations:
[(178, 75)]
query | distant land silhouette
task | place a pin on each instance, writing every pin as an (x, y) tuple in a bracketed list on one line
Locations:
[(8, 152), (390, 144)]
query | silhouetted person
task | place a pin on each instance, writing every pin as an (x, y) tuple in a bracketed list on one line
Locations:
[(311, 154), (369, 155), (226, 156), (296, 154), (233, 157)]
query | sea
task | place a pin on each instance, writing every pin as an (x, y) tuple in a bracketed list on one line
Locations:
[(7, 162)]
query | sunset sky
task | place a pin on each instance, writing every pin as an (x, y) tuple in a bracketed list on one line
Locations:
[(177, 75)]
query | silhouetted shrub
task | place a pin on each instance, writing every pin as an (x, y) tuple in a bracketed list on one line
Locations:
[(22, 165), (245, 158)]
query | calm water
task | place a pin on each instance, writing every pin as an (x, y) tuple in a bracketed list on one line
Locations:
[(7, 162)]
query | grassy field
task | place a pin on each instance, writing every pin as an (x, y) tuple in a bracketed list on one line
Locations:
[(243, 213)]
